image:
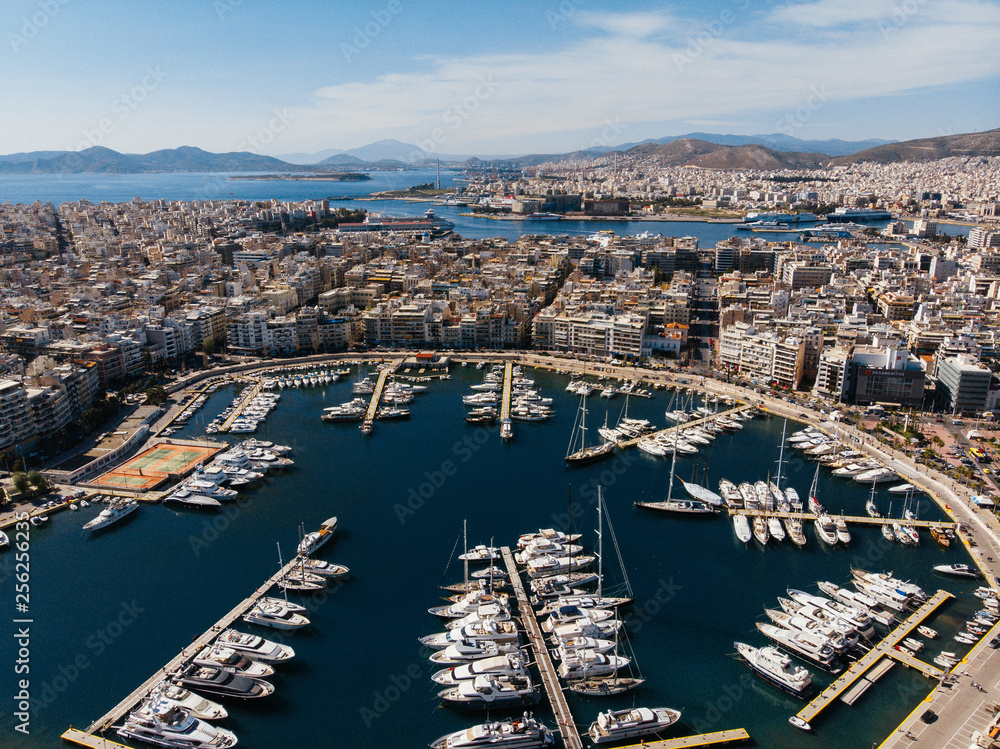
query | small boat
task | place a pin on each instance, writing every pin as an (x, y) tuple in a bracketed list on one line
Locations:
[(958, 570), (928, 632), (826, 529), (964, 639), (775, 530), (742, 527), (941, 536), (843, 534), (616, 725), (760, 531)]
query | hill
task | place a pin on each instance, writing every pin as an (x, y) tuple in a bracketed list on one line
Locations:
[(99, 160), (929, 149)]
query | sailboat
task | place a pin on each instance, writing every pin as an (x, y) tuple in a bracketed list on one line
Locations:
[(614, 684), (870, 506), (887, 530), (577, 451), (701, 493), (814, 506), (906, 534), (678, 506)]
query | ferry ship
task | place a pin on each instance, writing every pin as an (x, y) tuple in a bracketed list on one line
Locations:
[(842, 215), (430, 223)]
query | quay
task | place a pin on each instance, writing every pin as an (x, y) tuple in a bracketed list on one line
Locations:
[(859, 519), (686, 425), (245, 400), (506, 430), (383, 377), (887, 647), (550, 680), (90, 736)]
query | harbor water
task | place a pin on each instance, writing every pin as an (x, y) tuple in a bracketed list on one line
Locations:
[(109, 609)]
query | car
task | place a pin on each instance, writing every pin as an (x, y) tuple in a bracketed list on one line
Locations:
[(995, 642)]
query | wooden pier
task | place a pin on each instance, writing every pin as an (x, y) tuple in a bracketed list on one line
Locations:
[(107, 720), (383, 377), (241, 406), (550, 680), (506, 428), (886, 647), (858, 519), (686, 425)]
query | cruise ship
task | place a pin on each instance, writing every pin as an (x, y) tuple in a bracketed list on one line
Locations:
[(429, 223), (858, 214), (779, 217)]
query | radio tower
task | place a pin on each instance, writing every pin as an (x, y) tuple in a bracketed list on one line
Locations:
[(439, 174)]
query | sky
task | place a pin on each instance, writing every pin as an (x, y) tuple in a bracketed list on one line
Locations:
[(523, 76)]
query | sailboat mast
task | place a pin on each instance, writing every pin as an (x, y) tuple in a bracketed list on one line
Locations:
[(280, 567), (673, 463), (465, 551), (781, 456), (600, 543)]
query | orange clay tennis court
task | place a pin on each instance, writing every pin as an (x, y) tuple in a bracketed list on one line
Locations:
[(155, 465)]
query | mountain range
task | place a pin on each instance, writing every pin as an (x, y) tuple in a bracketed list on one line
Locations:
[(703, 150)]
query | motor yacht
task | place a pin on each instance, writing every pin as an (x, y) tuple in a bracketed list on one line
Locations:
[(510, 664), (230, 660), (221, 682), (255, 647), (314, 540), (616, 725), (275, 613), (198, 706), (119, 509), (491, 692), (162, 723), (522, 733), (777, 668)]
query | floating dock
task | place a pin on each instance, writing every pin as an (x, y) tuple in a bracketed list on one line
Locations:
[(686, 425), (886, 647), (383, 377), (90, 737), (506, 430), (241, 406), (858, 519), (550, 680), (732, 736)]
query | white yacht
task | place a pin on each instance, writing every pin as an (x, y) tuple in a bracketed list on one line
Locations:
[(615, 725), (489, 692), (198, 706), (511, 664), (522, 733), (117, 510), (312, 541), (589, 664), (255, 647), (777, 668), (462, 652), (192, 498), (742, 527), (812, 647), (164, 724), (549, 565), (275, 613), (499, 632), (230, 660)]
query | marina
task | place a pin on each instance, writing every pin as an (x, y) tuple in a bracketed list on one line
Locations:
[(366, 495), (858, 669), (853, 519), (383, 377), (91, 735), (553, 689)]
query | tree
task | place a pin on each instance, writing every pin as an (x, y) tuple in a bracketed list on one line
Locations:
[(37, 480), (208, 346), (156, 395), (21, 483)]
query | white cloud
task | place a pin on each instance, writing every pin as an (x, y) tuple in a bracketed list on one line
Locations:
[(637, 25), (495, 102)]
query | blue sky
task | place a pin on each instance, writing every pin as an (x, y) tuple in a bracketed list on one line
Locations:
[(475, 78)]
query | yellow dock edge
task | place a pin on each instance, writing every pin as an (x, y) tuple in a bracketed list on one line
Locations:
[(703, 739), (78, 737)]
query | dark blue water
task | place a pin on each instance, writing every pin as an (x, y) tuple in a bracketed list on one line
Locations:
[(111, 609)]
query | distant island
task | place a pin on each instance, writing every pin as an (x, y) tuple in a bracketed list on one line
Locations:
[(331, 177)]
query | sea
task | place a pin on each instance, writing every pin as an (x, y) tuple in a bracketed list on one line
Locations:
[(119, 188), (108, 609)]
